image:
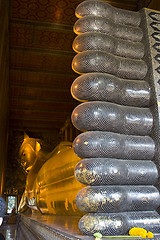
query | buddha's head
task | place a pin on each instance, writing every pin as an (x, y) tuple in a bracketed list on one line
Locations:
[(28, 152)]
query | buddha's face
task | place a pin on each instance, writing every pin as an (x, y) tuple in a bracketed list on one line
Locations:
[(27, 154)]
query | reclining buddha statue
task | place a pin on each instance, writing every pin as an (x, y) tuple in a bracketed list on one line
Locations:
[(50, 177)]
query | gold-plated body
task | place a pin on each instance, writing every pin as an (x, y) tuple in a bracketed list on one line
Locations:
[(50, 186)]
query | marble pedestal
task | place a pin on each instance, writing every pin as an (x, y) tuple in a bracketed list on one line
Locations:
[(48, 227)]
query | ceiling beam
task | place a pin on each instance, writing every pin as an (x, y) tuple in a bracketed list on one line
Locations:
[(49, 25), (41, 105), (47, 87), (35, 125), (43, 51), (47, 61), (42, 78), (53, 72), (39, 93), (38, 115)]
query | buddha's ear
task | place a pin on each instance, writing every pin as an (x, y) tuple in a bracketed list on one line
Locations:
[(25, 136), (38, 146)]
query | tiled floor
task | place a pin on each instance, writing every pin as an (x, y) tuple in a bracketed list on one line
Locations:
[(9, 231)]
